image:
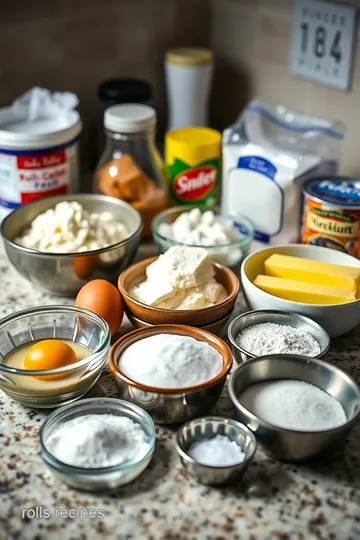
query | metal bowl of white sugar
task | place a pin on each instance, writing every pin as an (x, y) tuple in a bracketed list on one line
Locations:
[(296, 406), (257, 333)]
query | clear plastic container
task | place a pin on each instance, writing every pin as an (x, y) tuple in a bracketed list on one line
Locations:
[(130, 167)]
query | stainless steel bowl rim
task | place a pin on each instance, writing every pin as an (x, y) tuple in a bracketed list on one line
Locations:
[(221, 419), (284, 358), (58, 309), (51, 254), (271, 312), (62, 467), (236, 219)]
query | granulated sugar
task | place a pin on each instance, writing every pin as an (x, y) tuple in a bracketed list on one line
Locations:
[(272, 338), (294, 405), (170, 361), (219, 451)]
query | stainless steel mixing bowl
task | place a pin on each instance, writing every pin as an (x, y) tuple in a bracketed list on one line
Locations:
[(278, 317), (287, 444), (64, 274), (208, 427)]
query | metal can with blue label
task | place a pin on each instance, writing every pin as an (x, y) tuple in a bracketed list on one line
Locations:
[(331, 215)]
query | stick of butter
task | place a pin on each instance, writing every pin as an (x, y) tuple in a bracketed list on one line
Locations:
[(301, 291), (324, 273)]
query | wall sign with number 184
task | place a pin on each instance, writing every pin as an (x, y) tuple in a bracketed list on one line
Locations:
[(322, 45)]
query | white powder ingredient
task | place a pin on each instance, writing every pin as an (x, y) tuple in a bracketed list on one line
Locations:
[(219, 451), (294, 405), (98, 440), (272, 338), (170, 361)]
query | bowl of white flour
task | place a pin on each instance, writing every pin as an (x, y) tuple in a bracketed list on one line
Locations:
[(174, 372), (258, 333), (297, 407)]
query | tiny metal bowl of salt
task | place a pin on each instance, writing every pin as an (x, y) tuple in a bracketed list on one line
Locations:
[(100, 478), (294, 444), (204, 429), (296, 321)]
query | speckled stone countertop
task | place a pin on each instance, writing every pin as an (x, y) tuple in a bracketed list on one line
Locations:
[(319, 500)]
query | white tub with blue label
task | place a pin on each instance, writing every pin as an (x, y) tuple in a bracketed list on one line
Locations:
[(38, 148)]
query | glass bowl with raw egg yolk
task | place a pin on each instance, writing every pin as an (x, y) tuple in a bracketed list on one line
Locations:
[(52, 355)]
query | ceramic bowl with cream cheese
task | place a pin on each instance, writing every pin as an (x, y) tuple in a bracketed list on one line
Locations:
[(195, 317), (336, 319)]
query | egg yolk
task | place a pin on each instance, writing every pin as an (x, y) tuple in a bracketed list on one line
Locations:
[(49, 354)]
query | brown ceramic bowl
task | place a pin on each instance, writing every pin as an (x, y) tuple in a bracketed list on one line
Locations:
[(212, 327), (195, 317), (169, 405)]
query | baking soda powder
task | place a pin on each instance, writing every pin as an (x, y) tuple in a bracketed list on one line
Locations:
[(98, 440)]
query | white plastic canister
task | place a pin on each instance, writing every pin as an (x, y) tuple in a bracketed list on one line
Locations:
[(38, 158)]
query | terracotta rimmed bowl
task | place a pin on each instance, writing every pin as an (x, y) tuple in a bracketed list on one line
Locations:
[(195, 317), (169, 405), (212, 327)]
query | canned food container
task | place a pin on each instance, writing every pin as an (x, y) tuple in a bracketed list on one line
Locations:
[(38, 148), (192, 158), (331, 216)]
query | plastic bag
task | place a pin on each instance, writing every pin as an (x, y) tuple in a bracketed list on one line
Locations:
[(268, 154)]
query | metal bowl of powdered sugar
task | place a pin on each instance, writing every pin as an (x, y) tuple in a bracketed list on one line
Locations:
[(257, 333), (296, 406), (98, 443), (215, 450)]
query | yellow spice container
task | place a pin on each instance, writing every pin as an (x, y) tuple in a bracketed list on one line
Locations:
[(192, 158)]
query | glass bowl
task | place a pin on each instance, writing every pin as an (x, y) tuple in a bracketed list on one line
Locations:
[(60, 322), (230, 255), (104, 477)]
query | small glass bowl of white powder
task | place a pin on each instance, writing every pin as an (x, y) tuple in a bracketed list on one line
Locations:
[(98, 443), (259, 333), (215, 450)]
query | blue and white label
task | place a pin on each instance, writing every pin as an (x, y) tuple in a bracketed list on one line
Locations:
[(340, 191), (258, 164)]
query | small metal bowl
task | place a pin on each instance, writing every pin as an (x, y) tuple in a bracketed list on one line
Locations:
[(105, 477), (278, 317), (64, 274), (170, 405), (206, 428), (288, 444)]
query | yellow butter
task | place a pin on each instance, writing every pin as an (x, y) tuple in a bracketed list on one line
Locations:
[(300, 291), (298, 269)]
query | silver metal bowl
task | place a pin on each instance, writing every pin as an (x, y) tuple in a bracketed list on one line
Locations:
[(64, 274), (287, 444), (278, 317), (206, 428), (105, 477)]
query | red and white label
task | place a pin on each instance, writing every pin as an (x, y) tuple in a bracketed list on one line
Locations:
[(195, 184), (27, 178)]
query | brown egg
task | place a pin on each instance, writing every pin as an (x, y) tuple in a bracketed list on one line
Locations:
[(102, 298)]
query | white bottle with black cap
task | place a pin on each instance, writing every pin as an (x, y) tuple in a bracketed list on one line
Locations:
[(188, 75)]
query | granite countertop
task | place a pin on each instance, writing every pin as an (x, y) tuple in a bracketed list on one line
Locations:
[(274, 500)]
